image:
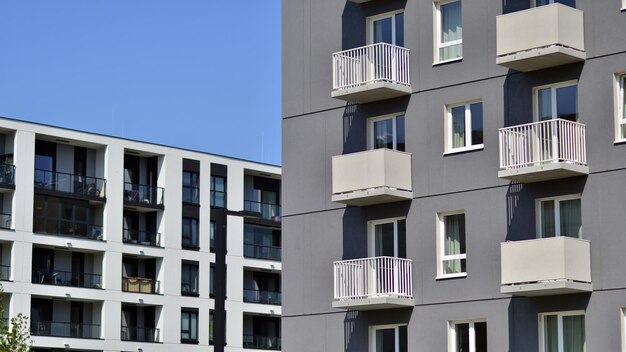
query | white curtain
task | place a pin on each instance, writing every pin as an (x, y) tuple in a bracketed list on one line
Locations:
[(458, 126), (574, 333), (454, 242), (550, 333), (571, 222), (451, 30)]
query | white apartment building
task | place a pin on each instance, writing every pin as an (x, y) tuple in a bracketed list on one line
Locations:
[(110, 244)]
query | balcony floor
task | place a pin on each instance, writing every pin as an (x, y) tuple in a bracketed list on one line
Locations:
[(375, 303), (372, 196), (547, 288), (538, 59), (371, 92), (544, 172)]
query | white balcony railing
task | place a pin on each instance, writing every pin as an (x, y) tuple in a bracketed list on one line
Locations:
[(379, 62), (373, 277), (543, 142)]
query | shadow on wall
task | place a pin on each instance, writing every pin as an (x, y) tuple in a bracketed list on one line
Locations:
[(356, 326), (354, 20)]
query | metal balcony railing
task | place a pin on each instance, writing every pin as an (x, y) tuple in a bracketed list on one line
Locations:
[(542, 142), (63, 329), (258, 251), (66, 278), (70, 183), (373, 277), (268, 211), (145, 238), (149, 195), (261, 342), (55, 226), (132, 333), (263, 297), (140, 284), (379, 62)]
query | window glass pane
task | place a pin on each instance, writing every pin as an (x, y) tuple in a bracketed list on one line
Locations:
[(544, 104), (477, 123), (400, 133), (211, 276), (212, 236), (383, 134), (550, 333), (567, 103), (194, 326), (623, 130), (574, 333), (543, 2), (480, 331), (384, 240), (623, 88), (386, 340), (400, 29), (455, 234), (458, 126), (571, 222), (462, 338), (451, 52), (451, 28), (383, 31), (548, 228), (211, 326)]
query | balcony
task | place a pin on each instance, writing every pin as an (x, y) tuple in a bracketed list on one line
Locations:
[(263, 297), (261, 342), (540, 37), (140, 285), (7, 176), (541, 151), (132, 333), (84, 186), (144, 238), (372, 177), (63, 329), (59, 227), (66, 278), (548, 266), (266, 211), (371, 73), (143, 196), (257, 251), (373, 283)]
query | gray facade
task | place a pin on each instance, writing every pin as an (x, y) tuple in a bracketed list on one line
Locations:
[(318, 231)]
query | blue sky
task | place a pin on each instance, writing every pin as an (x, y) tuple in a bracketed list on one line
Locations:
[(198, 74)]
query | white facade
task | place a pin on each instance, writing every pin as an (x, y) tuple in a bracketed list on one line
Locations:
[(103, 302)]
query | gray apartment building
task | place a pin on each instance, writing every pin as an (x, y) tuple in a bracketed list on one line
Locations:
[(453, 175)]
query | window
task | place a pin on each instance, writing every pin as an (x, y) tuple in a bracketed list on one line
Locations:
[(386, 132), (388, 338), (261, 242), (467, 336), (386, 28), (211, 280), (387, 238), (535, 3), (64, 216), (559, 101), (212, 237), (191, 188), (212, 327), (562, 332), (464, 127), (449, 32), (451, 245), (620, 128), (189, 278), (189, 325), (190, 233), (218, 191), (559, 216)]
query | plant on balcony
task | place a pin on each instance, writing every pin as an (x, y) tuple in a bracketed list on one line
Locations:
[(14, 335)]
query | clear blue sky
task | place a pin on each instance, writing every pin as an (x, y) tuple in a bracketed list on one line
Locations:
[(198, 74)]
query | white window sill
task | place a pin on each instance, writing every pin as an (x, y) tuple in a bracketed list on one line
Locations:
[(467, 149), (621, 141), (451, 276), (447, 61)]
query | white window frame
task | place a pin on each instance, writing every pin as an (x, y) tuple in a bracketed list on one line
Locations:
[(557, 216), (371, 238), (553, 87), (448, 149), (437, 33), (370, 25), (441, 257), (472, 333), (370, 129), (620, 114), (623, 325), (372, 335), (623, 5), (560, 316)]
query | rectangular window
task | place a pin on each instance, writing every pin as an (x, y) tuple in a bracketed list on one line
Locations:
[(535, 3), (190, 233), (218, 191), (557, 101), (464, 127), (449, 32), (212, 237), (620, 127), (191, 187), (388, 338), (189, 278), (562, 332), (451, 245), (211, 277), (467, 336), (387, 238), (386, 28), (559, 216), (212, 327), (386, 132), (189, 325)]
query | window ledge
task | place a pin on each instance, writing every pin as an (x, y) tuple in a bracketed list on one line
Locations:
[(447, 61), (621, 141), (452, 276), (468, 149)]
